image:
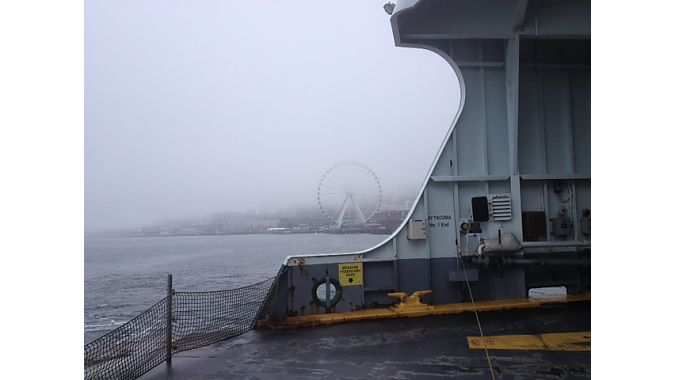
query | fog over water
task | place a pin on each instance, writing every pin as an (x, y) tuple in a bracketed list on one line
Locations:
[(194, 107)]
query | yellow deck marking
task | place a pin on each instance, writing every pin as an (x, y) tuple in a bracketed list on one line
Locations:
[(572, 341), (393, 312)]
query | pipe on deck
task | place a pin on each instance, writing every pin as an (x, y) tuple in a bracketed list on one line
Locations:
[(505, 261)]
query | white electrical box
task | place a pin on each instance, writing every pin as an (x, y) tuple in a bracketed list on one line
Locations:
[(417, 229), (472, 244)]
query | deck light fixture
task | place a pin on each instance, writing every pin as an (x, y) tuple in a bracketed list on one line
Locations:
[(389, 8)]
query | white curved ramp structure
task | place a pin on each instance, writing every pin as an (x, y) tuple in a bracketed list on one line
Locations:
[(508, 196)]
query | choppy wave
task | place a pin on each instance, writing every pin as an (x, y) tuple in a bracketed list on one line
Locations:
[(105, 326), (123, 277)]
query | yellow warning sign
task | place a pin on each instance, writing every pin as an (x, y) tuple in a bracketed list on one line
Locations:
[(350, 274)]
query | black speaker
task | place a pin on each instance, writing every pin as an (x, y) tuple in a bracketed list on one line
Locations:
[(480, 209)]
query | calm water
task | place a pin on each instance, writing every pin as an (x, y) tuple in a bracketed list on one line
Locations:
[(125, 276)]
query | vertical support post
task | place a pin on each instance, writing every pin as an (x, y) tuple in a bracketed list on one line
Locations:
[(426, 208), (328, 291), (170, 294)]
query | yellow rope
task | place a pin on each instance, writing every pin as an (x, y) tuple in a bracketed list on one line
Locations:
[(478, 322)]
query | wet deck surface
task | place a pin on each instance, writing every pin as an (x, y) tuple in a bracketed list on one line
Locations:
[(408, 348)]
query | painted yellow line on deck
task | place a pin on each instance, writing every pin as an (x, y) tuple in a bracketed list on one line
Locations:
[(425, 310), (572, 341)]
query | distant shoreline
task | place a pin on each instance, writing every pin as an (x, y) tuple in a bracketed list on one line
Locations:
[(114, 236)]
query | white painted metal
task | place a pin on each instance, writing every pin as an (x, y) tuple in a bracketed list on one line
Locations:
[(523, 123), (501, 207)]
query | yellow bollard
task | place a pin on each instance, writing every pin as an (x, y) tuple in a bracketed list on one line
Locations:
[(412, 302)]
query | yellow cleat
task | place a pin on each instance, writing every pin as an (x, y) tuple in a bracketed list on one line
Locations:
[(411, 302)]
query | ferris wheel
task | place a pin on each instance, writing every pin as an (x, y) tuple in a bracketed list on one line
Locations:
[(349, 193)]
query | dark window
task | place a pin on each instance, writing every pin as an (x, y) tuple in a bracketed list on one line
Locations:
[(480, 209), (534, 225)]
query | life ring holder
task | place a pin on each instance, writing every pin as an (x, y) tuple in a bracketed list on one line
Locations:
[(336, 298)]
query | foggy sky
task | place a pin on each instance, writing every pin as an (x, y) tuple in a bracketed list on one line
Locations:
[(195, 107)]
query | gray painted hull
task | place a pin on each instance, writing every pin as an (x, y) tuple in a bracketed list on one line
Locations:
[(444, 276), (512, 178)]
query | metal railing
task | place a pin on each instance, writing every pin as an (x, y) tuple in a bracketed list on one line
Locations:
[(181, 321)]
